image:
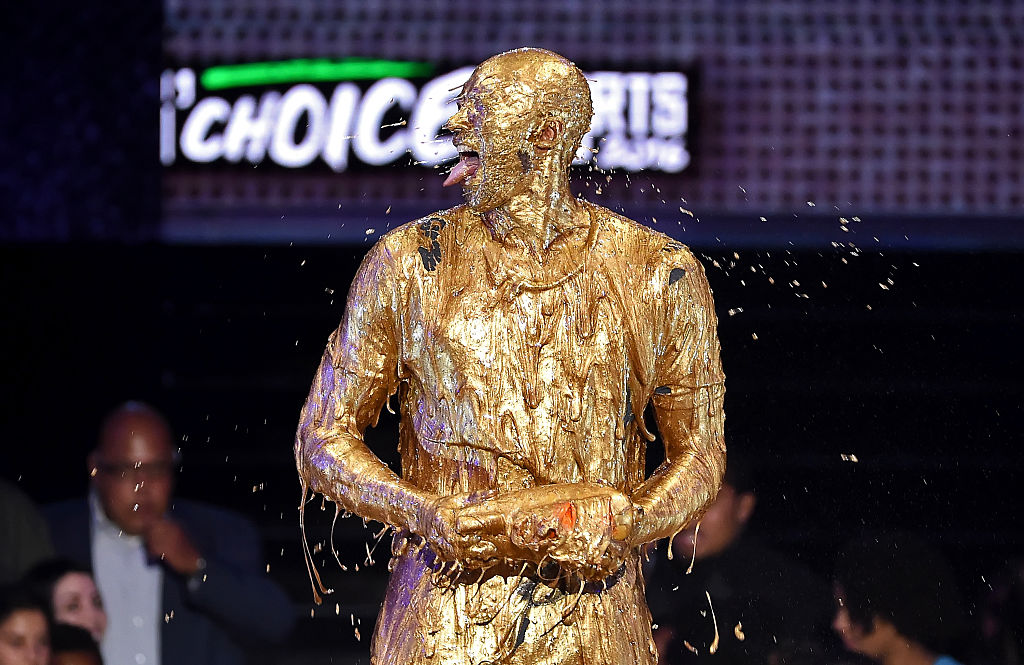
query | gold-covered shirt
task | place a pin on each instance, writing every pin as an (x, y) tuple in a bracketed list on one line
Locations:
[(514, 371)]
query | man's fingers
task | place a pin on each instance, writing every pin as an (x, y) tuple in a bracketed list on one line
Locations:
[(488, 522), (479, 497), (482, 551)]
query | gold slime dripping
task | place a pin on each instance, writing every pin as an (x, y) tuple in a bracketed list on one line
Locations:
[(524, 332)]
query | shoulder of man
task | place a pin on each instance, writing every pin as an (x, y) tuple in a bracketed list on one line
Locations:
[(628, 233), (420, 237), (206, 515), (422, 230), (667, 261)]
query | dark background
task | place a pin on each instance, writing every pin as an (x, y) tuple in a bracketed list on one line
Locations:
[(896, 340), (920, 382)]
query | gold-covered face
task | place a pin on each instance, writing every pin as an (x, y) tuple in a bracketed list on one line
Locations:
[(521, 113), (493, 144)]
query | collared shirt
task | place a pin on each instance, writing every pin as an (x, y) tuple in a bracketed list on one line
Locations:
[(131, 588)]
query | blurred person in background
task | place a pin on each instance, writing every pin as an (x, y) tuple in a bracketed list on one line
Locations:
[(897, 601), (71, 594), (1002, 618), (182, 583), (24, 628), (73, 645), (23, 533), (726, 597)]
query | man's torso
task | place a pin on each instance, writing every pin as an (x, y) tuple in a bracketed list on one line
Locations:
[(516, 374)]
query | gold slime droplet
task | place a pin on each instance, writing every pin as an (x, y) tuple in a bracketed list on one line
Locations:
[(714, 644), (696, 530)]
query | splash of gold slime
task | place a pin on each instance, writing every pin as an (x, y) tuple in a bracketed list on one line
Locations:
[(714, 643), (696, 532), (524, 333)]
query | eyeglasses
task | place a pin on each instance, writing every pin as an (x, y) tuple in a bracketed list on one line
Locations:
[(137, 471)]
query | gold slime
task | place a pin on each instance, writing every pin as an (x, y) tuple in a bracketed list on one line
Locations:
[(524, 332)]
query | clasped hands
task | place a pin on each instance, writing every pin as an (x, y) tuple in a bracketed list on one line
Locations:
[(583, 527)]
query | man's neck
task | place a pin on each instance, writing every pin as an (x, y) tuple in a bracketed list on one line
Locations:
[(539, 215)]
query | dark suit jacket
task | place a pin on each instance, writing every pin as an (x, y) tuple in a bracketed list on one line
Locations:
[(215, 621)]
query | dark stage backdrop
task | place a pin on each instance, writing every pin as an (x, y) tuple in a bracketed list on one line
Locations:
[(748, 110), (282, 122)]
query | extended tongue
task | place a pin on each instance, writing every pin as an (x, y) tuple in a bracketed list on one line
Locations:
[(465, 167)]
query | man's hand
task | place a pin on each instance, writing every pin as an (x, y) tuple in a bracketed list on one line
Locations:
[(587, 535), (439, 524), (583, 527), (167, 541)]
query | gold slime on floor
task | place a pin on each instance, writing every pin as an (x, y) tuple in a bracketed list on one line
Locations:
[(524, 332)]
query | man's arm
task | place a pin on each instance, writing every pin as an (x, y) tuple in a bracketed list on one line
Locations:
[(233, 586), (688, 408), (357, 374), (551, 521), (579, 526)]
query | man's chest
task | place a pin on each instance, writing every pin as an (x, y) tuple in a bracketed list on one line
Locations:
[(478, 329)]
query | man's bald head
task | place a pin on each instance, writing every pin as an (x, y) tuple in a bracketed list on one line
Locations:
[(541, 85), (132, 426), (132, 466)]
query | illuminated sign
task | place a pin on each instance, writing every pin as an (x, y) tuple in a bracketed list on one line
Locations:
[(341, 113)]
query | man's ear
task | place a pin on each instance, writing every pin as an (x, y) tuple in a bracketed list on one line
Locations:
[(90, 463), (549, 134), (745, 504)]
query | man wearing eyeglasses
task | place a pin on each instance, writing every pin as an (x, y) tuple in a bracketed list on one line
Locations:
[(181, 581)]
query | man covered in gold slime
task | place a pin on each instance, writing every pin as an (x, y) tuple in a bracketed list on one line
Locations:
[(525, 332)]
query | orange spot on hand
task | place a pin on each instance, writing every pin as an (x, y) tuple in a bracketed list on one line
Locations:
[(566, 515)]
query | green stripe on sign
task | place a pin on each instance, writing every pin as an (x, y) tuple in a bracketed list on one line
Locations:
[(309, 71)]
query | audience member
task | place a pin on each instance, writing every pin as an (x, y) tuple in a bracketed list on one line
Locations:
[(24, 628), (897, 601), (22, 532), (70, 592), (1002, 618), (182, 583), (742, 602), (73, 645)]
